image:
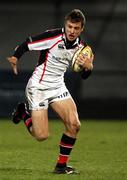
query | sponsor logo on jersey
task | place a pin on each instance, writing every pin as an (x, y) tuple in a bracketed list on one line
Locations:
[(61, 46)]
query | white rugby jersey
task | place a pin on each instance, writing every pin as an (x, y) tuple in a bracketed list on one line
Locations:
[(55, 56)]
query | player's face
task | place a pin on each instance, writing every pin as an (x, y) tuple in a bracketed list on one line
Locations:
[(73, 30)]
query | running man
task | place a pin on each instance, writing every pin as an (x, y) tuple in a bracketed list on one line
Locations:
[(46, 85)]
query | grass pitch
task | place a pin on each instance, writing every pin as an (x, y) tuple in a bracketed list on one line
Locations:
[(100, 152)]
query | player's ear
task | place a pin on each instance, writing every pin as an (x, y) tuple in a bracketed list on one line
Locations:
[(82, 29)]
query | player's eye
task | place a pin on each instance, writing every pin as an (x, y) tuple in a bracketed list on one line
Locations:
[(77, 28)]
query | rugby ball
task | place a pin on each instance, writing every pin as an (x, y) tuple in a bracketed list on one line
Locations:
[(86, 51)]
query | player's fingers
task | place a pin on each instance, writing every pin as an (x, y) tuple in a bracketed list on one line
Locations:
[(15, 70), (13, 62), (92, 58), (14, 67), (81, 59)]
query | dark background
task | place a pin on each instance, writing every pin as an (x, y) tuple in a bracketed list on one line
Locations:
[(104, 94)]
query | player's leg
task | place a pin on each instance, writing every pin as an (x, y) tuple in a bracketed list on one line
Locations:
[(36, 123), (67, 110), (38, 104), (20, 113), (40, 128)]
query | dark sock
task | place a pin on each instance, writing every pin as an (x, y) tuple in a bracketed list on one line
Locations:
[(66, 146), (27, 120)]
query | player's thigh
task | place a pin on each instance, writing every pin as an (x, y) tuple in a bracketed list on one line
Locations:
[(40, 122), (67, 110)]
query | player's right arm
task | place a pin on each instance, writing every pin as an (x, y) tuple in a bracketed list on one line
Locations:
[(38, 42), (13, 61), (19, 51)]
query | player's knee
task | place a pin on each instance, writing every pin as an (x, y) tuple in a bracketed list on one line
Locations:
[(75, 127), (42, 136)]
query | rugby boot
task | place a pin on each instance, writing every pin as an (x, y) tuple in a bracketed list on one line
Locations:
[(65, 170), (18, 113)]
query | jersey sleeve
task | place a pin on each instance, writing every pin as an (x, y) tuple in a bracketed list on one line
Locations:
[(85, 74), (21, 49), (44, 41), (39, 42)]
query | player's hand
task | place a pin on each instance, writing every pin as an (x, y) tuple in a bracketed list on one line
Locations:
[(85, 62), (13, 61)]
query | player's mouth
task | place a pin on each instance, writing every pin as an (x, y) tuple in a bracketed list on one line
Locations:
[(71, 37)]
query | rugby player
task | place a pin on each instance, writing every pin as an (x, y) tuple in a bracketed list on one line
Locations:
[(46, 86)]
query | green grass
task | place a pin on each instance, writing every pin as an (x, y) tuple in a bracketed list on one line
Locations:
[(99, 154)]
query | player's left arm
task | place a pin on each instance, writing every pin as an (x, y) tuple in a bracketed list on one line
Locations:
[(87, 64)]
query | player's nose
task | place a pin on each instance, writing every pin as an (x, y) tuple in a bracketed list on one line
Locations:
[(72, 30)]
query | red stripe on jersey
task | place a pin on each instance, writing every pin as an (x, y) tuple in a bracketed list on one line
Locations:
[(55, 44), (41, 40), (47, 60), (44, 68)]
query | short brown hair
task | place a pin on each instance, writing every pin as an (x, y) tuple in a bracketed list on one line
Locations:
[(76, 16)]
